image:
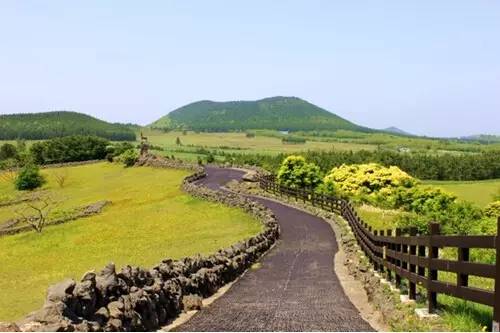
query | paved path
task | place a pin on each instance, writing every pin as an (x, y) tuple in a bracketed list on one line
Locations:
[(296, 288)]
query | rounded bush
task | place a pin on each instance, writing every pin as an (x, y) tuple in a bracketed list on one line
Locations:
[(29, 178)]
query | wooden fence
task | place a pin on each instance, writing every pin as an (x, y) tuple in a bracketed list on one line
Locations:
[(406, 254)]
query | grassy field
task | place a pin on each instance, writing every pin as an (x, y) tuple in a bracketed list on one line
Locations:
[(238, 142), (149, 219), (480, 192)]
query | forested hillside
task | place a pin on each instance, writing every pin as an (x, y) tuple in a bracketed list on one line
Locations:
[(277, 113), (45, 125)]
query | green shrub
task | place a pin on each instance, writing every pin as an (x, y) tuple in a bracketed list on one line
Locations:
[(210, 158), (421, 200), (295, 172), (459, 218), (493, 209), (29, 178), (129, 157), (371, 182), (8, 150)]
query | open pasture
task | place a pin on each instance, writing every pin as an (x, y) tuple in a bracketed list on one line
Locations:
[(238, 142), (480, 191), (149, 219)]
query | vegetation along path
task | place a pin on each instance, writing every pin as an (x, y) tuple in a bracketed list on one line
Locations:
[(295, 289)]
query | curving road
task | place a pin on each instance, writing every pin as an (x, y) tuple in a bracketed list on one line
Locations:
[(295, 289)]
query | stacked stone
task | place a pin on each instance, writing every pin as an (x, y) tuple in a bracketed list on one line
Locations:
[(161, 162), (137, 299)]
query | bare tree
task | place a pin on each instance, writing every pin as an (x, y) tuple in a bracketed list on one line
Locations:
[(36, 212), (61, 176)]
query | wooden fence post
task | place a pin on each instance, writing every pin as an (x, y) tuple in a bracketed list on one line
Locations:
[(463, 256), (389, 246), (382, 244), (433, 274), (412, 288), (397, 261), (496, 305), (375, 264)]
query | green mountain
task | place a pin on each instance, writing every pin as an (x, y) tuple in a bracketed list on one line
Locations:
[(277, 113), (45, 125)]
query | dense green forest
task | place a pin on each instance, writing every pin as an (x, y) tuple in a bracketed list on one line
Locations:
[(278, 113), (45, 125), (484, 165)]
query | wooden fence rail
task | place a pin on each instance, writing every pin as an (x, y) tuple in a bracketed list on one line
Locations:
[(406, 254)]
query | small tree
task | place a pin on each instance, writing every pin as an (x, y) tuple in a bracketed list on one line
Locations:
[(297, 173), (36, 211), (61, 176), (29, 178), (178, 141)]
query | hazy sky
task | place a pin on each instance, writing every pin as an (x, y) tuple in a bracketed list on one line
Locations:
[(429, 67)]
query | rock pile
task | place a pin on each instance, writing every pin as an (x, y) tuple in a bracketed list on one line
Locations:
[(161, 162), (137, 299)]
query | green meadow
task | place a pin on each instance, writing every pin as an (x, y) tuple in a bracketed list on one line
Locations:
[(149, 219), (480, 192)]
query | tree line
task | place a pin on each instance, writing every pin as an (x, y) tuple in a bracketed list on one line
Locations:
[(484, 165), (57, 150)]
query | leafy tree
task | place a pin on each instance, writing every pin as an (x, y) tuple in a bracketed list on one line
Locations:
[(7, 150), (295, 172), (29, 178)]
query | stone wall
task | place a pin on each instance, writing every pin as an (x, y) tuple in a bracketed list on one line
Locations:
[(138, 299)]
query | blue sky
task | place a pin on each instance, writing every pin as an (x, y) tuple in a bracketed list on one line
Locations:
[(429, 67)]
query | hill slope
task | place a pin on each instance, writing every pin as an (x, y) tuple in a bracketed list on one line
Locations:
[(396, 130), (45, 125), (278, 113)]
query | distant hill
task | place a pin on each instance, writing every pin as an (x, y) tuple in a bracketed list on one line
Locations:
[(396, 130), (45, 125), (277, 113)]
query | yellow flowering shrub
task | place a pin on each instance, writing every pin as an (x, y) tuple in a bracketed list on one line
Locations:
[(367, 182)]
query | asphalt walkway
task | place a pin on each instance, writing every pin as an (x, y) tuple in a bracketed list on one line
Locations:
[(295, 289)]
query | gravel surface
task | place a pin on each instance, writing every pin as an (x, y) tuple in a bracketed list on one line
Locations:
[(295, 289)]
